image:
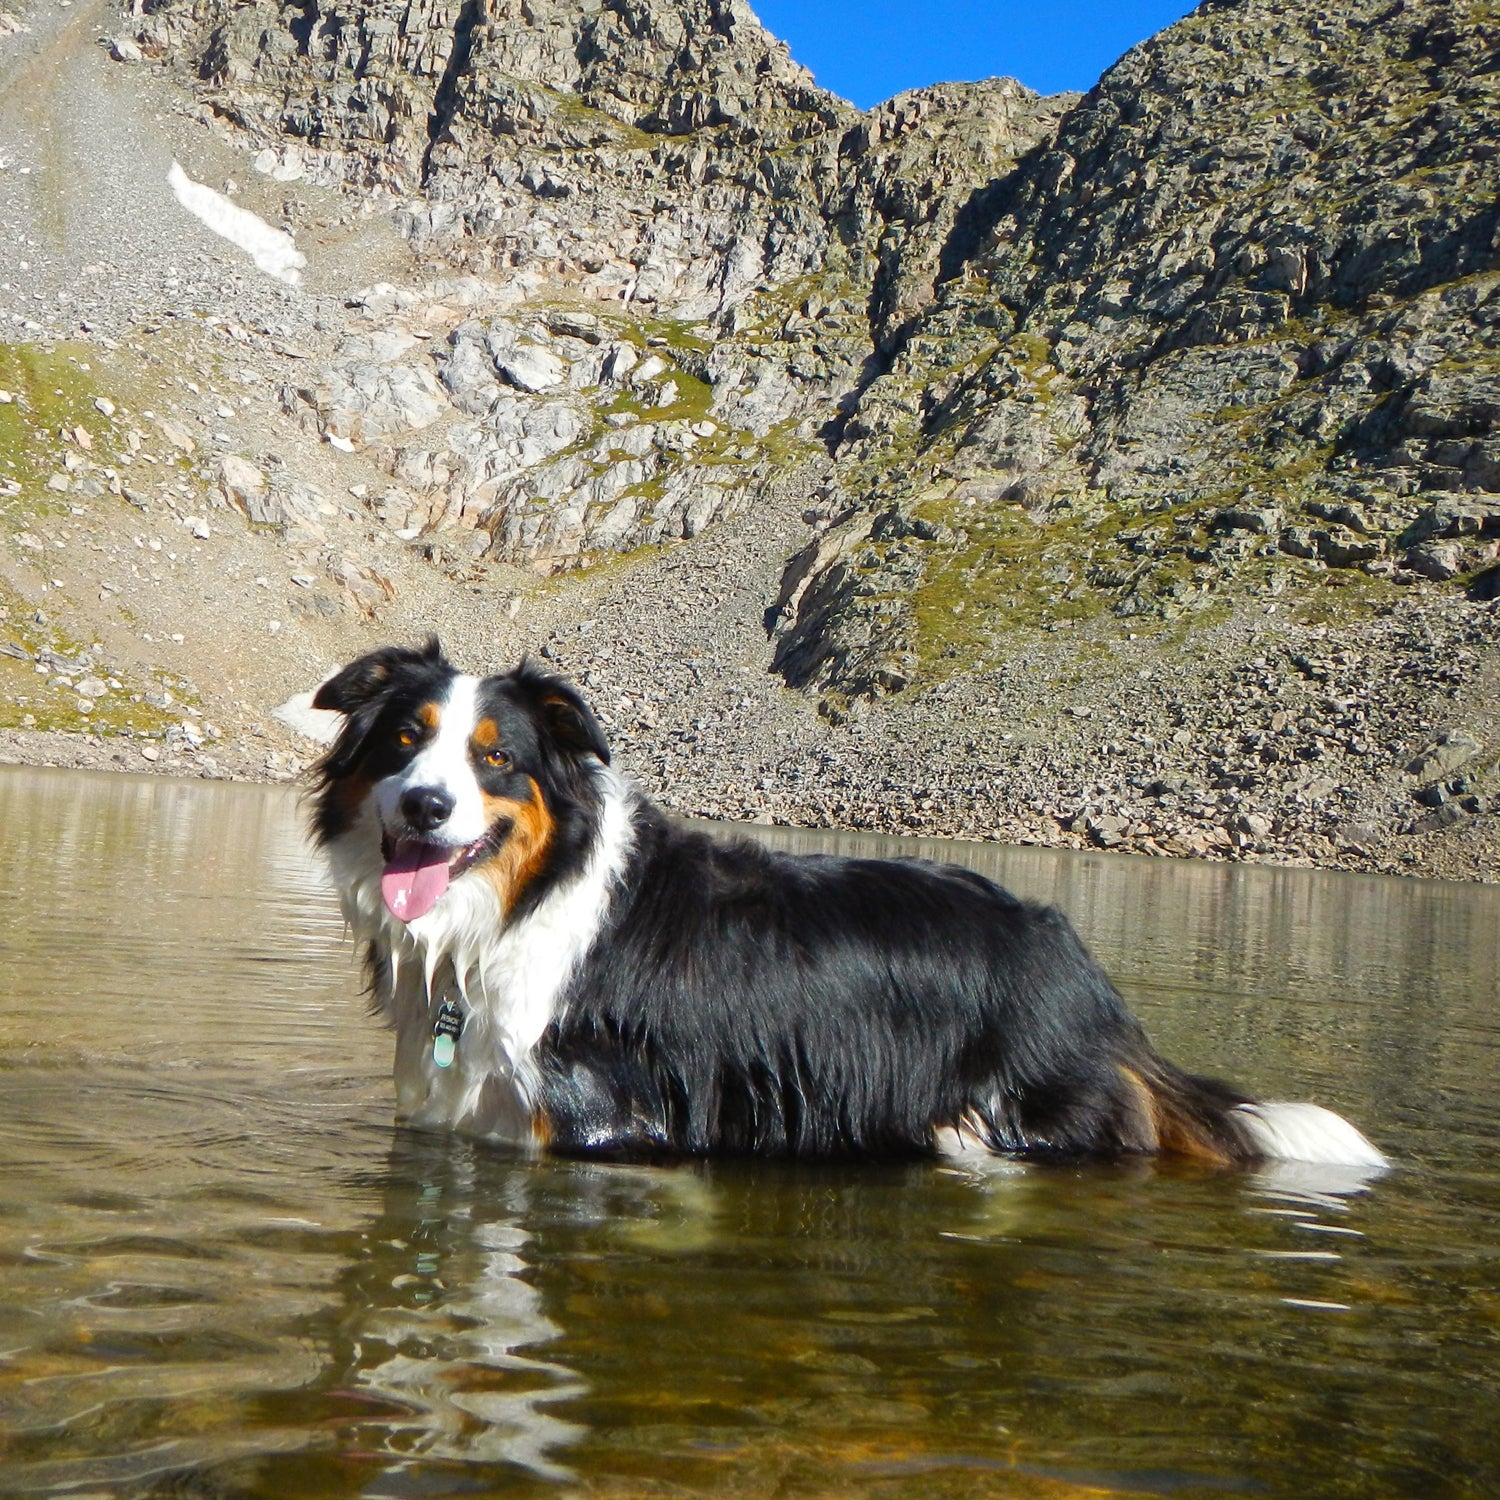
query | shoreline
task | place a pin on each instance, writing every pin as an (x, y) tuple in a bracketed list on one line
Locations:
[(1470, 861)]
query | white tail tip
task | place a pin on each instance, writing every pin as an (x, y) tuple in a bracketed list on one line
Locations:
[(1306, 1132)]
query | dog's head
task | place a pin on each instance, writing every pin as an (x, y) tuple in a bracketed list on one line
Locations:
[(450, 776)]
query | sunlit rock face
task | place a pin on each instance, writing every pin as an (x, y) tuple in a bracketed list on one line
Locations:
[(1224, 324), (1235, 325), (662, 255)]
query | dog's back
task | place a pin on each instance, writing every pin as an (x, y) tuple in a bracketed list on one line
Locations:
[(748, 1002)]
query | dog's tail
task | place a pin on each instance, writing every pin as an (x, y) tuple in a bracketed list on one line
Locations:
[(1203, 1119), (1305, 1132)]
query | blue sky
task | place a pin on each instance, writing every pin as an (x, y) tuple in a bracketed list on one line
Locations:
[(867, 50)]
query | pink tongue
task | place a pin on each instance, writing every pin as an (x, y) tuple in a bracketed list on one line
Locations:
[(414, 879)]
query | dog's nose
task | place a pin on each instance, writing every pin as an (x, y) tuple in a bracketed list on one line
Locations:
[(426, 807)]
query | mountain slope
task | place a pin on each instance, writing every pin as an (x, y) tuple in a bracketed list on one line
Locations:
[(1237, 323), (1115, 470), (682, 253)]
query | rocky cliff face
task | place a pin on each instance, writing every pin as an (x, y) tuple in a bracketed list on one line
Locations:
[(1235, 325), (678, 254), (1117, 470), (1227, 325), (631, 146)]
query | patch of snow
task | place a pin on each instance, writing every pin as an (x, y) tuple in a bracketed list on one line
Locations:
[(273, 250)]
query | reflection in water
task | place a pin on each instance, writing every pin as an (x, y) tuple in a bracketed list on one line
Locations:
[(456, 1357), (223, 1273), (1314, 1184)]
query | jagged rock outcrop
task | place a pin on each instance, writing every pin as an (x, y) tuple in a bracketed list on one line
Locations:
[(669, 154), (1237, 322), (913, 167), (680, 254)]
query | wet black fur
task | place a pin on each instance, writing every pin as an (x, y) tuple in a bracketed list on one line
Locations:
[(740, 1000), (746, 1001)]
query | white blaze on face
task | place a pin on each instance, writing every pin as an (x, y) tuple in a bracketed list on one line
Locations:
[(420, 854), (442, 765)]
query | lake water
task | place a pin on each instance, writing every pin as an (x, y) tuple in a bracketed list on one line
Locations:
[(224, 1274)]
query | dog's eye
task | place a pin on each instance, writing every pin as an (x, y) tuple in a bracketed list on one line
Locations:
[(406, 736), (498, 758)]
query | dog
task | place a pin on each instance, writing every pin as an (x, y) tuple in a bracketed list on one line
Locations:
[(567, 969)]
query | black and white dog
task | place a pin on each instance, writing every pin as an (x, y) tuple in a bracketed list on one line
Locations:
[(566, 968)]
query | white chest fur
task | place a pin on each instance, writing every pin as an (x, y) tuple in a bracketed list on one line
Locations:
[(510, 978)]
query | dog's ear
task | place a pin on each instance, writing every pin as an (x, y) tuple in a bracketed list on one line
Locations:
[(572, 722), (562, 712), (360, 692), (364, 681)]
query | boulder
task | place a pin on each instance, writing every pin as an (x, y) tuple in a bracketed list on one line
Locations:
[(247, 489), (529, 367), (367, 402), (1444, 755)]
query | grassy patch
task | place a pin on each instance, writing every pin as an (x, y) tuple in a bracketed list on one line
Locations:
[(1339, 596), (676, 333), (569, 109), (695, 399), (1011, 574), (764, 315), (52, 391), (1008, 574), (28, 700), (600, 565)]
